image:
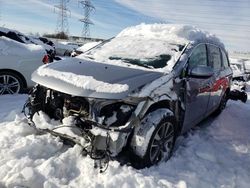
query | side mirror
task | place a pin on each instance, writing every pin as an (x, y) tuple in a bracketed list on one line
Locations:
[(200, 72)]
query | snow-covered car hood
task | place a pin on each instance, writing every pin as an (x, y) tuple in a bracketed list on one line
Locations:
[(85, 78)]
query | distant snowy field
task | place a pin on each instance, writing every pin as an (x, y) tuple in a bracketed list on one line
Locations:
[(215, 154)]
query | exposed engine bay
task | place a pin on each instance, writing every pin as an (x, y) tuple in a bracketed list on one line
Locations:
[(104, 125)]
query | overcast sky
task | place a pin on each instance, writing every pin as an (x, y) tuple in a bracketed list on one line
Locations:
[(228, 19)]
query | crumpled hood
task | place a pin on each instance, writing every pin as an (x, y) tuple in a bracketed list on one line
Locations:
[(84, 78)]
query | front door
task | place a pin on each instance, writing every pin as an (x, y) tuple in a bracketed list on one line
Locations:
[(197, 89), (214, 56)]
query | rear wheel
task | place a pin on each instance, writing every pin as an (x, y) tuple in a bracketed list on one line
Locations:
[(222, 105), (10, 83)]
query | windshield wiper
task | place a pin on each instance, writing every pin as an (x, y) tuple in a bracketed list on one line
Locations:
[(98, 45)]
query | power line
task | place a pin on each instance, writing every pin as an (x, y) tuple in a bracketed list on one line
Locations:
[(62, 20), (88, 7)]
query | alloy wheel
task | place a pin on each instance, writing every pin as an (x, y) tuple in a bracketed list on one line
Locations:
[(162, 143), (9, 84)]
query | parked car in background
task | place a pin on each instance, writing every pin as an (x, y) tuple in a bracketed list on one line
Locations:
[(17, 62), (63, 49), (247, 67), (240, 74), (15, 35), (139, 90), (48, 45), (22, 38), (74, 45)]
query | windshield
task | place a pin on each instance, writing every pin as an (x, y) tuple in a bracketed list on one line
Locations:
[(135, 51), (157, 62)]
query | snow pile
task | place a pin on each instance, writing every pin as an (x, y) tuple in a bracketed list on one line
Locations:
[(172, 33), (215, 154), (87, 46), (149, 41), (12, 47), (81, 81), (10, 105)]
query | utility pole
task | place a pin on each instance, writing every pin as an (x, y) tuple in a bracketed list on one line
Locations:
[(62, 20), (88, 7)]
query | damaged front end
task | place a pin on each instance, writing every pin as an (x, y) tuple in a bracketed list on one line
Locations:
[(104, 125)]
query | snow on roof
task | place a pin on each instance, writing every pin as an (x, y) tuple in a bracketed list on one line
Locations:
[(6, 30), (175, 33), (12, 47), (20, 35), (22, 38), (147, 41)]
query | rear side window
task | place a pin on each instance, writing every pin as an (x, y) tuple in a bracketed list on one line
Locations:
[(214, 57), (199, 56), (224, 59)]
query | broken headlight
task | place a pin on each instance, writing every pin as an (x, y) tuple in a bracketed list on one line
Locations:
[(116, 114)]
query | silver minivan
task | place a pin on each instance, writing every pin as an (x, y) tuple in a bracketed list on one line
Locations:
[(137, 92)]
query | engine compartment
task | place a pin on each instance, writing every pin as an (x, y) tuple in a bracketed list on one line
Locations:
[(104, 124)]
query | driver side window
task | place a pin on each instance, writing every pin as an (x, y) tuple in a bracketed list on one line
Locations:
[(198, 57)]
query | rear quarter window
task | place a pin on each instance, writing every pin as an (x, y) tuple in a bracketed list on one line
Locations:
[(224, 59)]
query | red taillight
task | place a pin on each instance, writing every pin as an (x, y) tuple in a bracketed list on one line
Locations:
[(46, 59)]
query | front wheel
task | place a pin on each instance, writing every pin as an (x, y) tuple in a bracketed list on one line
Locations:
[(161, 144), (159, 139), (10, 83)]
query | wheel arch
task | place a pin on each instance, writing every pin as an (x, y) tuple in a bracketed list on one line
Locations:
[(160, 104), (142, 133), (173, 105), (17, 73)]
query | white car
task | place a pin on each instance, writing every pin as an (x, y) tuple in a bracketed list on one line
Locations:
[(17, 62)]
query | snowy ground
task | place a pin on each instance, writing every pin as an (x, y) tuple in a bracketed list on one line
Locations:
[(215, 154)]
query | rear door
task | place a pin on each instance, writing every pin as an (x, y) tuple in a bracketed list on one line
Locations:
[(197, 90)]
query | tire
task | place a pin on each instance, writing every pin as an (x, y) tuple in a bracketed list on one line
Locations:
[(222, 105), (159, 147), (10, 83)]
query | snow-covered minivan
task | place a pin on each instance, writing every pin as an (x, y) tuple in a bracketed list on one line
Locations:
[(138, 91)]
